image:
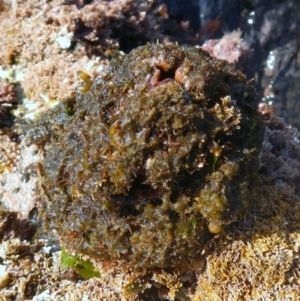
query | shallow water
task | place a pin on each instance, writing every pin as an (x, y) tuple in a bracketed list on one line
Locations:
[(270, 28)]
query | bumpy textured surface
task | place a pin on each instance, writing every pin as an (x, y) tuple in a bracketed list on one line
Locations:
[(153, 160)]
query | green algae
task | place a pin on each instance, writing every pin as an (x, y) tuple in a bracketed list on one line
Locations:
[(83, 267)]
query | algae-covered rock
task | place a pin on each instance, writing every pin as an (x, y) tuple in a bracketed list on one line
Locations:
[(153, 160)]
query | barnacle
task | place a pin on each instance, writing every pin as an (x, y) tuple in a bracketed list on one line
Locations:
[(153, 160)]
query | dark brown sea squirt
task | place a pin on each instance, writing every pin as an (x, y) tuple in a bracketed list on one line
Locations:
[(153, 160)]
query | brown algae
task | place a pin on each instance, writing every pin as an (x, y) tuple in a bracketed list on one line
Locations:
[(153, 160)]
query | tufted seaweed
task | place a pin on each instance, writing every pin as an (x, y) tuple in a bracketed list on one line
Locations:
[(153, 160)]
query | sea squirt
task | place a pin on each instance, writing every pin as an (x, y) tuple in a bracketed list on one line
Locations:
[(153, 160)]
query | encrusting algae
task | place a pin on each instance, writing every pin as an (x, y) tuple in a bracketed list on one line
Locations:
[(153, 160)]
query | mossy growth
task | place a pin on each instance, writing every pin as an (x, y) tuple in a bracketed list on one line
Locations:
[(151, 162)]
